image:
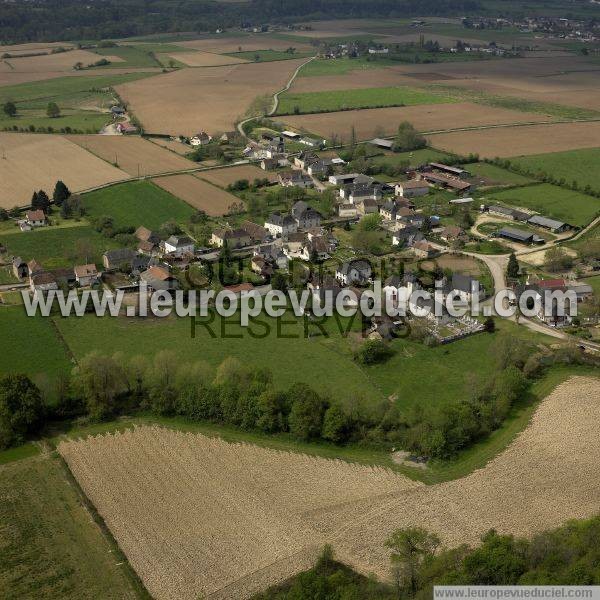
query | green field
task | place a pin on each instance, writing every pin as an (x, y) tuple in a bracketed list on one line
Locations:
[(313, 102), (51, 547), (57, 246), (74, 95), (137, 203), (268, 55), (581, 166), (134, 56), (414, 158), (494, 175), (552, 201), (30, 345)]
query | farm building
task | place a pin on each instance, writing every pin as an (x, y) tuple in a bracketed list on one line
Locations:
[(295, 179), (235, 238), (86, 274), (412, 188), (381, 143), (115, 259), (550, 224), (343, 179), (347, 211), (159, 278), (423, 249), (508, 213), (448, 170), (19, 268), (257, 233), (518, 235), (446, 181)]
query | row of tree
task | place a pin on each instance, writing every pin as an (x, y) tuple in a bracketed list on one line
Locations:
[(10, 109)]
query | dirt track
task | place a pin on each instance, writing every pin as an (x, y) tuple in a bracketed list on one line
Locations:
[(198, 515)]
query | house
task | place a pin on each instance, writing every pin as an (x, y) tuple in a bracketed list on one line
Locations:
[(295, 179), (257, 233), (235, 238), (159, 278), (367, 206), (117, 111), (35, 218), (19, 268), (239, 288), (543, 286), (412, 188), (64, 277), (126, 128), (344, 179), (305, 216), (582, 291), (423, 249), (380, 142), (34, 267), (312, 142), (399, 288), (550, 224), (200, 139), (178, 246), (324, 286), (452, 233), (261, 266), (304, 159), (354, 272), (319, 167), (407, 237), (86, 274), (294, 244), (269, 164), (462, 287), (388, 211), (411, 220), (280, 225), (315, 249), (42, 282), (146, 248), (146, 235), (274, 254), (347, 211), (118, 259), (356, 192)]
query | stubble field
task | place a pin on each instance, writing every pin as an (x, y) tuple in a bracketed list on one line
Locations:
[(198, 515), (205, 59), (209, 99), (224, 177), (34, 162), (134, 155), (198, 194), (368, 123)]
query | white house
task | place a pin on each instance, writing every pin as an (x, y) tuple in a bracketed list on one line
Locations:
[(412, 188), (200, 139), (36, 218), (178, 245), (280, 225), (354, 272)]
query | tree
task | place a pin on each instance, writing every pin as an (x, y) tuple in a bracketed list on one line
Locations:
[(40, 201), (307, 410), (411, 547), (557, 259), (512, 269), (10, 109), (408, 138), (52, 110), (373, 352), (489, 325), (61, 193), (3, 214), (21, 409), (335, 424), (279, 281)]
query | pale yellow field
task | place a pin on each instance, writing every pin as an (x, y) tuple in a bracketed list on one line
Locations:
[(132, 154), (425, 117), (249, 43), (63, 61), (34, 162), (224, 177), (199, 194), (518, 141), (205, 59), (197, 515)]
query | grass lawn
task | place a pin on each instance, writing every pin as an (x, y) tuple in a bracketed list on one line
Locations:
[(493, 175), (51, 548), (414, 158), (134, 56), (268, 55), (576, 165), (137, 203), (327, 101), (75, 96), (57, 246), (488, 247), (6, 276), (552, 201), (30, 345)]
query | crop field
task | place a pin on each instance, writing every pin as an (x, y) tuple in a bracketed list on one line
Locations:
[(132, 154), (51, 548), (565, 205), (209, 99), (247, 43), (56, 246), (173, 145), (62, 61), (414, 158), (491, 175), (329, 101), (137, 203), (424, 117), (207, 59), (197, 193), (268, 55), (238, 517), (34, 162), (224, 177), (576, 165)]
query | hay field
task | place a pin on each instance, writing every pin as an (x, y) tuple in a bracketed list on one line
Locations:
[(210, 99), (198, 194), (205, 59), (206, 516), (173, 145), (520, 141), (62, 61), (423, 117), (248, 43), (130, 151), (224, 177), (34, 162)]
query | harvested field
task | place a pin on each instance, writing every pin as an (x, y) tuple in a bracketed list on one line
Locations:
[(209, 99), (520, 141), (224, 177), (205, 59), (129, 153), (423, 117), (247, 43), (173, 145), (63, 61), (34, 47), (34, 162), (197, 515), (197, 193)]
